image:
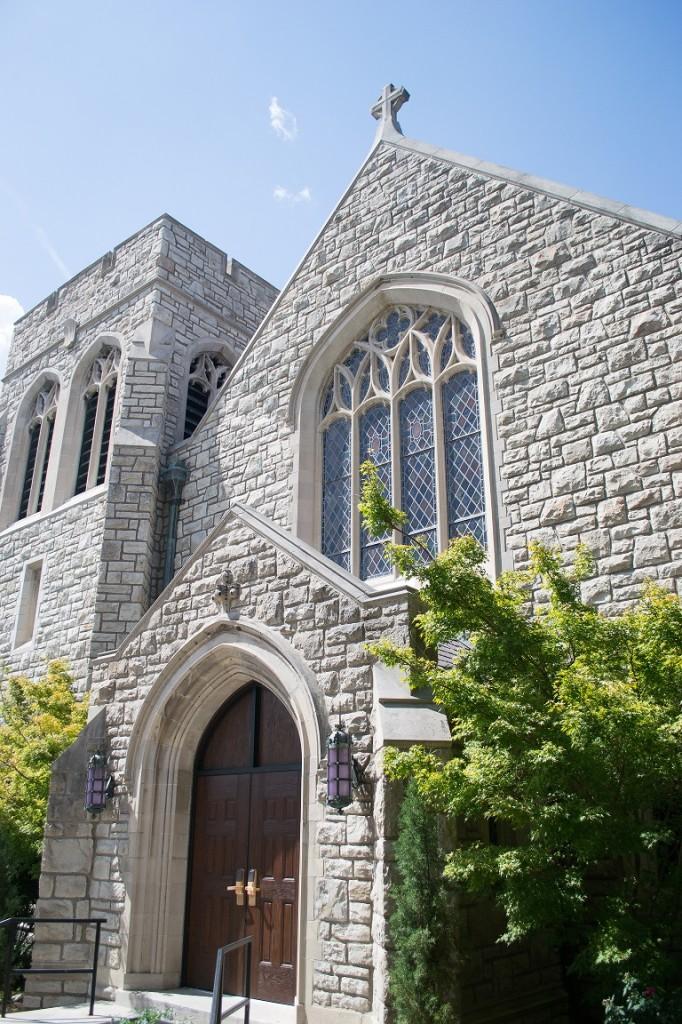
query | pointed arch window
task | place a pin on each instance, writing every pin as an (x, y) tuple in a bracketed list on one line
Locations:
[(99, 398), (40, 434), (207, 373), (406, 397)]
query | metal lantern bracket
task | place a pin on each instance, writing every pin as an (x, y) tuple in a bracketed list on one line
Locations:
[(99, 787), (344, 771), (360, 780)]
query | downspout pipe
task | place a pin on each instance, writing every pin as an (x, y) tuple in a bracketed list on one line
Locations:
[(174, 476)]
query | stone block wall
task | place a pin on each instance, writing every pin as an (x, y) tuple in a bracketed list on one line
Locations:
[(328, 630), (585, 375), (158, 294), (69, 580)]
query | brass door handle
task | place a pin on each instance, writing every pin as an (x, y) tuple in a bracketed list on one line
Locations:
[(238, 888), (252, 889)]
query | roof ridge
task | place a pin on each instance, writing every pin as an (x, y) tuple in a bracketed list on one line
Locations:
[(570, 194)]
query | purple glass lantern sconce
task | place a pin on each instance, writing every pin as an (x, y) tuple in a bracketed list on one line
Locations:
[(98, 786), (343, 771)]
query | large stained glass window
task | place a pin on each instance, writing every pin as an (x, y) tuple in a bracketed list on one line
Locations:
[(405, 396)]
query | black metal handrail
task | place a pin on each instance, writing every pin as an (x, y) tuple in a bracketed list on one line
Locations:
[(217, 1014), (12, 924)]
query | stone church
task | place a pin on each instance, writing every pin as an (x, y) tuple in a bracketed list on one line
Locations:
[(178, 518)]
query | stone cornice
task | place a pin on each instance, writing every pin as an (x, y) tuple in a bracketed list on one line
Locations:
[(149, 285)]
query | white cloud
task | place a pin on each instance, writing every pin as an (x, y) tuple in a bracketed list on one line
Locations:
[(282, 122), (284, 195), (10, 310)]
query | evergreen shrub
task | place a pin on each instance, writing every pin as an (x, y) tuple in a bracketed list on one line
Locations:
[(421, 927)]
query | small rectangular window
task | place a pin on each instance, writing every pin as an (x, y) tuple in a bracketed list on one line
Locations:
[(27, 611)]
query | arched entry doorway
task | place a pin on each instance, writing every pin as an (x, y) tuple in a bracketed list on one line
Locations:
[(246, 819)]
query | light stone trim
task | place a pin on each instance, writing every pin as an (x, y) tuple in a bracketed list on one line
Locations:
[(150, 285), (28, 604), (464, 300), (109, 259), (567, 193), (308, 556), (18, 453), (209, 346), (401, 717), (69, 429), (223, 656), (104, 373), (44, 412)]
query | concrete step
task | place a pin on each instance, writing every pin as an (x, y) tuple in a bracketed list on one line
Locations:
[(193, 1006), (105, 1013), (181, 1006)]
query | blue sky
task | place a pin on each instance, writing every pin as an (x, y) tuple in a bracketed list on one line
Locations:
[(114, 112)]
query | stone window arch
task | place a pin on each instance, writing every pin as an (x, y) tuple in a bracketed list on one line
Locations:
[(402, 380), (99, 403), (40, 433), (208, 371)]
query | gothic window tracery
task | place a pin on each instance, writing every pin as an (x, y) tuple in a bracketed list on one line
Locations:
[(207, 373), (40, 433), (405, 396), (99, 397)]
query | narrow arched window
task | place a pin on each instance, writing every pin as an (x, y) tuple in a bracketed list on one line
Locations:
[(99, 399), (40, 432), (207, 373), (405, 397)]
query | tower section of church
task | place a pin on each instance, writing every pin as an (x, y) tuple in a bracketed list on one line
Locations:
[(103, 378)]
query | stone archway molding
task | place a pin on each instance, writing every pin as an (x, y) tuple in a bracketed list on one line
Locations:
[(218, 660)]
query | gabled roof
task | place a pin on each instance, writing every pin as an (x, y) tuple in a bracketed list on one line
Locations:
[(388, 133), (587, 200)]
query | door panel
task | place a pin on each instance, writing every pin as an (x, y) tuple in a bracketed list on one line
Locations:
[(246, 816), (274, 852), (220, 848)]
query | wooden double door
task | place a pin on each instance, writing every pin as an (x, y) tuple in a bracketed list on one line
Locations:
[(246, 824)]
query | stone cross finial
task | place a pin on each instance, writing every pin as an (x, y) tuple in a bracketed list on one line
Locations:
[(387, 106)]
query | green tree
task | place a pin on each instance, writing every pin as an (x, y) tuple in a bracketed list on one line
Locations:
[(420, 927), (567, 730), (38, 720)]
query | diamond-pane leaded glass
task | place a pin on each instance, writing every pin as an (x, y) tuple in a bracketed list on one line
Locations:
[(433, 325), (375, 446), (468, 341), (354, 360), (463, 457), (424, 360), (446, 353), (337, 492), (389, 333), (417, 464), (411, 348), (327, 399), (345, 392)]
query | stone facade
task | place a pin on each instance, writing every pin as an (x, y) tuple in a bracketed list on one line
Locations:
[(577, 304)]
